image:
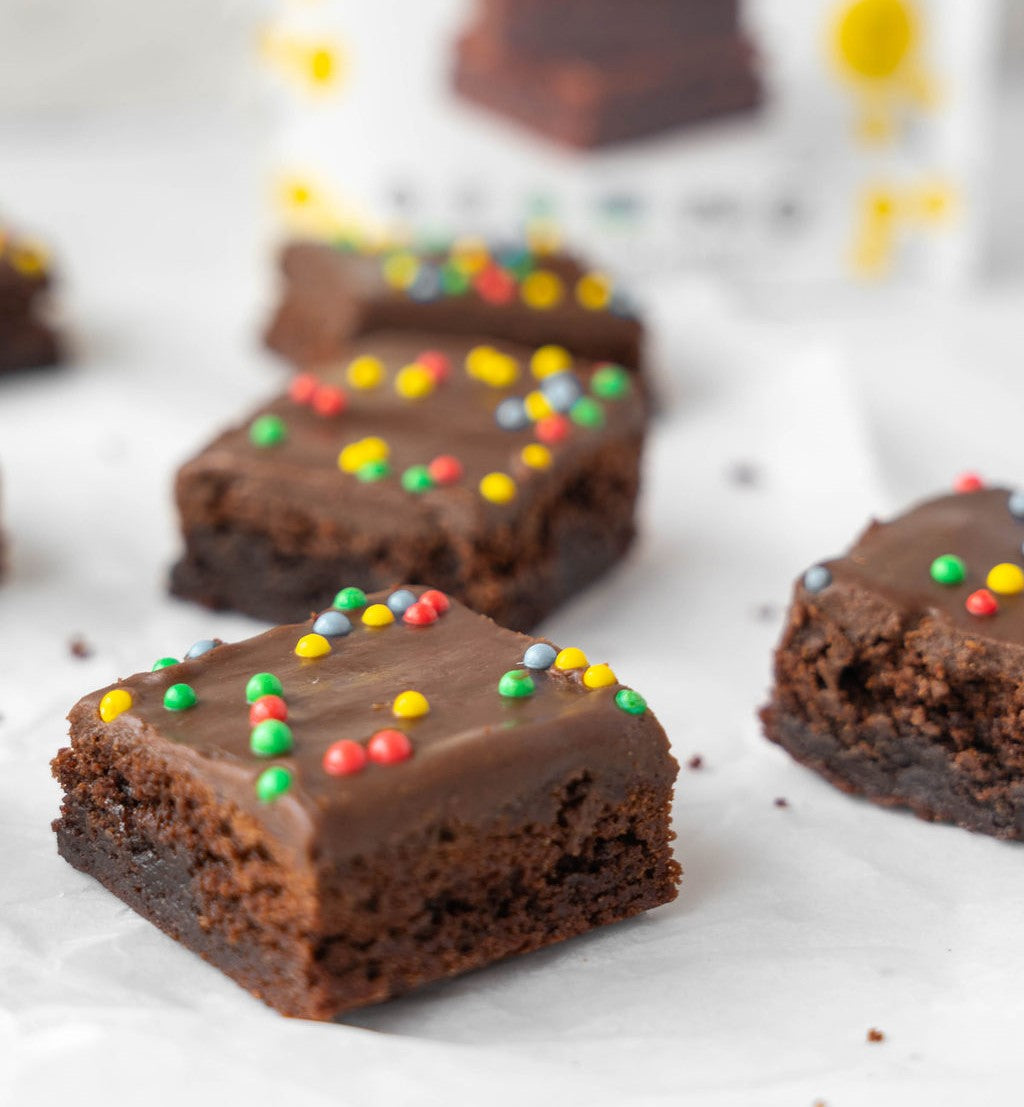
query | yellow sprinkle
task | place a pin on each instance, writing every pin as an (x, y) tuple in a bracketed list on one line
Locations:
[(598, 676), (414, 382), (594, 291), (312, 645), (500, 370), (542, 289), (537, 405), (571, 658), (536, 456), (400, 270), (410, 705), (365, 372), (478, 359), (499, 488), (322, 65), (114, 703), (30, 261), (356, 454), (470, 255), (378, 615), (1006, 579), (550, 359)]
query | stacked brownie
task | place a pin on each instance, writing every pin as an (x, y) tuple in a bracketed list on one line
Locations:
[(589, 73), (26, 338)]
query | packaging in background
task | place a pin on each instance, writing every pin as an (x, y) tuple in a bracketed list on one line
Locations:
[(868, 157)]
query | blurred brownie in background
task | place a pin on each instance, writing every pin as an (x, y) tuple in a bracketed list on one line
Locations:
[(27, 340)]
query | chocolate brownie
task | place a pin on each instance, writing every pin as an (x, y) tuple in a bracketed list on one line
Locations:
[(333, 294), (418, 458), (27, 340), (392, 793), (898, 674)]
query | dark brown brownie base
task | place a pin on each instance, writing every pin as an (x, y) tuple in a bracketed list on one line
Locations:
[(904, 712), (517, 578), (441, 901), (27, 344)]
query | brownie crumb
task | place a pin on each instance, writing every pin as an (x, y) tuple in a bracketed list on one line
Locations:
[(695, 762), (78, 647), (744, 475), (781, 801), (875, 1035)]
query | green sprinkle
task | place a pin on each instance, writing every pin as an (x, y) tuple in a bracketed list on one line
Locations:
[(271, 738), (350, 599), (516, 684), (417, 478), (262, 684), (267, 430), (163, 662), (610, 382), (372, 471), (453, 281), (587, 412), (273, 782), (179, 697), (631, 702), (948, 569)]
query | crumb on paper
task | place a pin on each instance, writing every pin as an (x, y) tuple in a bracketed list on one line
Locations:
[(875, 1035), (766, 613), (78, 647), (781, 801), (744, 474), (695, 762)]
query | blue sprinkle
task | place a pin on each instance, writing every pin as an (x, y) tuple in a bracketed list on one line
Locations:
[(817, 578), (204, 645), (400, 600), (332, 624), (511, 414), (426, 284), (562, 390), (622, 306), (540, 656), (1016, 504)]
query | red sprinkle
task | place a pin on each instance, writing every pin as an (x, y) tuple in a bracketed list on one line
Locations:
[(344, 758), (981, 602), (267, 707), (968, 482), (445, 469), (303, 388), (387, 747), (552, 428), (436, 364), (435, 599), (328, 400), (495, 285), (419, 615)]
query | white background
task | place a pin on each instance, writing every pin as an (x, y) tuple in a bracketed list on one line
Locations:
[(796, 929)]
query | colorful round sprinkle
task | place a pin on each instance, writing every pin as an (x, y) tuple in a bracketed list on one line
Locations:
[(436, 364), (562, 390), (550, 359), (498, 488), (511, 415), (114, 703), (164, 662), (599, 676), (419, 615), (364, 373), (372, 471), (180, 697), (410, 705), (414, 382), (328, 400), (587, 412), (437, 600), (344, 757), (494, 285), (378, 615), (536, 456), (303, 388), (553, 429), (350, 599), (445, 469), (968, 482), (610, 382), (417, 478), (540, 656), (817, 579), (401, 600), (571, 658), (542, 290), (312, 646), (273, 783), (197, 649), (262, 684), (357, 454), (629, 701), (477, 360), (1005, 579), (271, 738), (1015, 503), (537, 405), (594, 291), (267, 430), (516, 684), (981, 602), (948, 569), (332, 624), (388, 747), (267, 707)]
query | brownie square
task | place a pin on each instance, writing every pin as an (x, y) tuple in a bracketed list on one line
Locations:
[(898, 674), (334, 294), (522, 514), (27, 340), (337, 812)]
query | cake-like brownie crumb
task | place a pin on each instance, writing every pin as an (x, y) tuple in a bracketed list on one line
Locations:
[(875, 1035), (79, 647), (781, 801), (696, 762)]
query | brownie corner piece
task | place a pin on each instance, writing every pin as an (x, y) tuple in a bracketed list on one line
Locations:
[(897, 675), (336, 812), (27, 338)]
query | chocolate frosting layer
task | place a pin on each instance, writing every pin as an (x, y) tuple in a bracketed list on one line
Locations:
[(894, 559), (476, 754)]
